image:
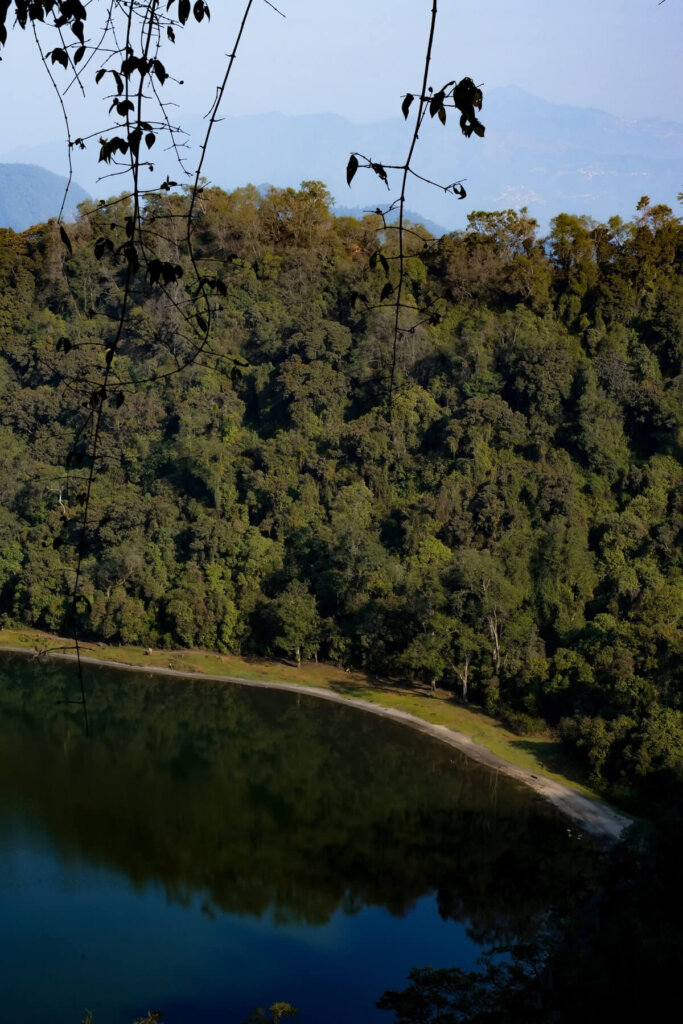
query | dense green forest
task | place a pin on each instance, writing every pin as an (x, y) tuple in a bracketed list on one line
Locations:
[(509, 526)]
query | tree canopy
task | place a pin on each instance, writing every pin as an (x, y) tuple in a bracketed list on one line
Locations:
[(513, 532)]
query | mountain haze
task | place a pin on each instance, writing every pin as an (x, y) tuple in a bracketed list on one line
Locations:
[(552, 158), (30, 195)]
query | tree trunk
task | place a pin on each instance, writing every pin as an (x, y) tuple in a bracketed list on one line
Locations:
[(463, 676), (494, 630)]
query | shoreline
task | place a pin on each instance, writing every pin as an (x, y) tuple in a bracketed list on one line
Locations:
[(602, 822)]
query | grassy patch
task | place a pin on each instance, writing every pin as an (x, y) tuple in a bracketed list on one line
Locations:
[(540, 753)]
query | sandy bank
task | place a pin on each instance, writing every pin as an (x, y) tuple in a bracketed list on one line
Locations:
[(593, 816)]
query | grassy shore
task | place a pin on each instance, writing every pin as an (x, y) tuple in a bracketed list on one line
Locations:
[(541, 753)]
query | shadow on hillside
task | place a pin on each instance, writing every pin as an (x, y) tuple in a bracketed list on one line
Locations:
[(348, 686), (552, 756)]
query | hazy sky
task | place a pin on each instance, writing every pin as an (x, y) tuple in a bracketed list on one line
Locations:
[(357, 57)]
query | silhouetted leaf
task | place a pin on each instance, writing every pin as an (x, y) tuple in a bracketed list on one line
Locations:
[(442, 115), (171, 34), (123, 107), (108, 147), (120, 399), (134, 140), (436, 102), (57, 543), (385, 263), (405, 106), (202, 324), (131, 254), (159, 71), (183, 11), (59, 56), (150, 139), (79, 54), (464, 94), (154, 271), (102, 245), (129, 65), (380, 172), (467, 96), (65, 238), (386, 291), (168, 272), (351, 168)]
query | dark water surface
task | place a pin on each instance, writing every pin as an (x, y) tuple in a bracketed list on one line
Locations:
[(212, 848)]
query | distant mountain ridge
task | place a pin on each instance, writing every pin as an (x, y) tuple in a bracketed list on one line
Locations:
[(549, 157), (30, 195), (409, 215)]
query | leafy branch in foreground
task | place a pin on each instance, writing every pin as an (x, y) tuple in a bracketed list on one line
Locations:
[(463, 96), (127, 51)]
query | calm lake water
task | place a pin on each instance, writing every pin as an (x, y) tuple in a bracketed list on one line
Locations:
[(213, 848)]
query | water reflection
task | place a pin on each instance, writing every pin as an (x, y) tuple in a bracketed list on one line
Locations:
[(234, 801), (259, 799)]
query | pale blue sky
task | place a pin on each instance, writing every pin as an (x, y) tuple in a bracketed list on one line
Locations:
[(357, 57)]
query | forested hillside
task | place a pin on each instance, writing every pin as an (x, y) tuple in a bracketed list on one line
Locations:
[(511, 527)]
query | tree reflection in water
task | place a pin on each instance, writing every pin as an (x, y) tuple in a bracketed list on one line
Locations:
[(259, 801)]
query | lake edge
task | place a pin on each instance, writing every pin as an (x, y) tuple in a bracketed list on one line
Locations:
[(598, 819)]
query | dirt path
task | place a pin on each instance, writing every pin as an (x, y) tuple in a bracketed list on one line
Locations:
[(593, 816)]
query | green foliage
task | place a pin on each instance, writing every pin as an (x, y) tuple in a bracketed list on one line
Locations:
[(277, 1012), (297, 621), (512, 532)]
